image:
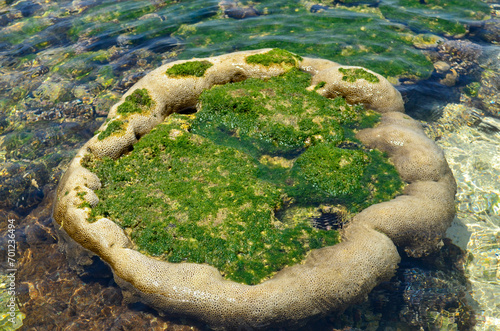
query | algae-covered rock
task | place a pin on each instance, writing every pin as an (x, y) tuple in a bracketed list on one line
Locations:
[(217, 195), (247, 174)]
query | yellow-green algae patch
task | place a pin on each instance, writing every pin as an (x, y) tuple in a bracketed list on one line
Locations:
[(275, 56), (239, 184), (114, 127), (353, 74), (191, 68), (137, 102)]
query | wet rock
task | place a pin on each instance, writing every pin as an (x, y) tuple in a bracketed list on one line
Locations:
[(23, 50), (140, 59), (99, 42), (441, 67), (490, 31), (50, 91), (241, 13), (485, 94), (37, 71), (28, 199), (450, 78), (489, 93), (237, 10), (318, 8), (129, 80), (28, 8), (5, 19), (20, 190), (426, 41), (461, 55), (78, 6), (57, 33), (39, 234), (435, 299)]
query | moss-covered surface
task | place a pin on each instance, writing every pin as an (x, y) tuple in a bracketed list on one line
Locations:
[(239, 184), (353, 74), (275, 56), (136, 103), (279, 118), (114, 127), (191, 68)]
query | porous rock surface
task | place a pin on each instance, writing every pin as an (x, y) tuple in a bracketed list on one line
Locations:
[(330, 278)]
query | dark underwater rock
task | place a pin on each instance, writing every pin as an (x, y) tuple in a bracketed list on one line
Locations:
[(241, 12), (461, 55), (28, 8)]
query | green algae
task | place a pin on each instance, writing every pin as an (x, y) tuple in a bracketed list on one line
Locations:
[(136, 103), (77, 66), (103, 19), (213, 187), (319, 34), (138, 22), (320, 85), (184, 189), (81, 195), (27, 30), (16, 141), (451, 18), (191, 68), (267, 123), (114, 127), (275, 56), (352, 75), (472, 89), (32, 141)]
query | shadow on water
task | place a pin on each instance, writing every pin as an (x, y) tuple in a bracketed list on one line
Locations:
[(426, 99)]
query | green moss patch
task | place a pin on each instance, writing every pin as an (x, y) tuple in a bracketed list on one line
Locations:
[(275, 56), (472, 89), (137, 102), (191, 68), (260, 119), (185, 198), (240, 184), (114, 127), (353, 74)]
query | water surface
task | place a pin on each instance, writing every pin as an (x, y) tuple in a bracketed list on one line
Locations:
[(64, 63)]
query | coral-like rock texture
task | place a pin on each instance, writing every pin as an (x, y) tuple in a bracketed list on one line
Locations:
[(330, 278)]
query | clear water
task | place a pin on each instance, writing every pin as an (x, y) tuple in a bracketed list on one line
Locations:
[(63, 63)]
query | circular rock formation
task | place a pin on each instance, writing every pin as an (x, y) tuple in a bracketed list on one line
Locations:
[(330, 278)]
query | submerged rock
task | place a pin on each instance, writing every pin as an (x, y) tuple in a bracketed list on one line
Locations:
[(237, 11), (461, 55), (339, 274)]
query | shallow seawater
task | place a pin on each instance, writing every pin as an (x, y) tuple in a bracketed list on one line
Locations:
[(64, 63)]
